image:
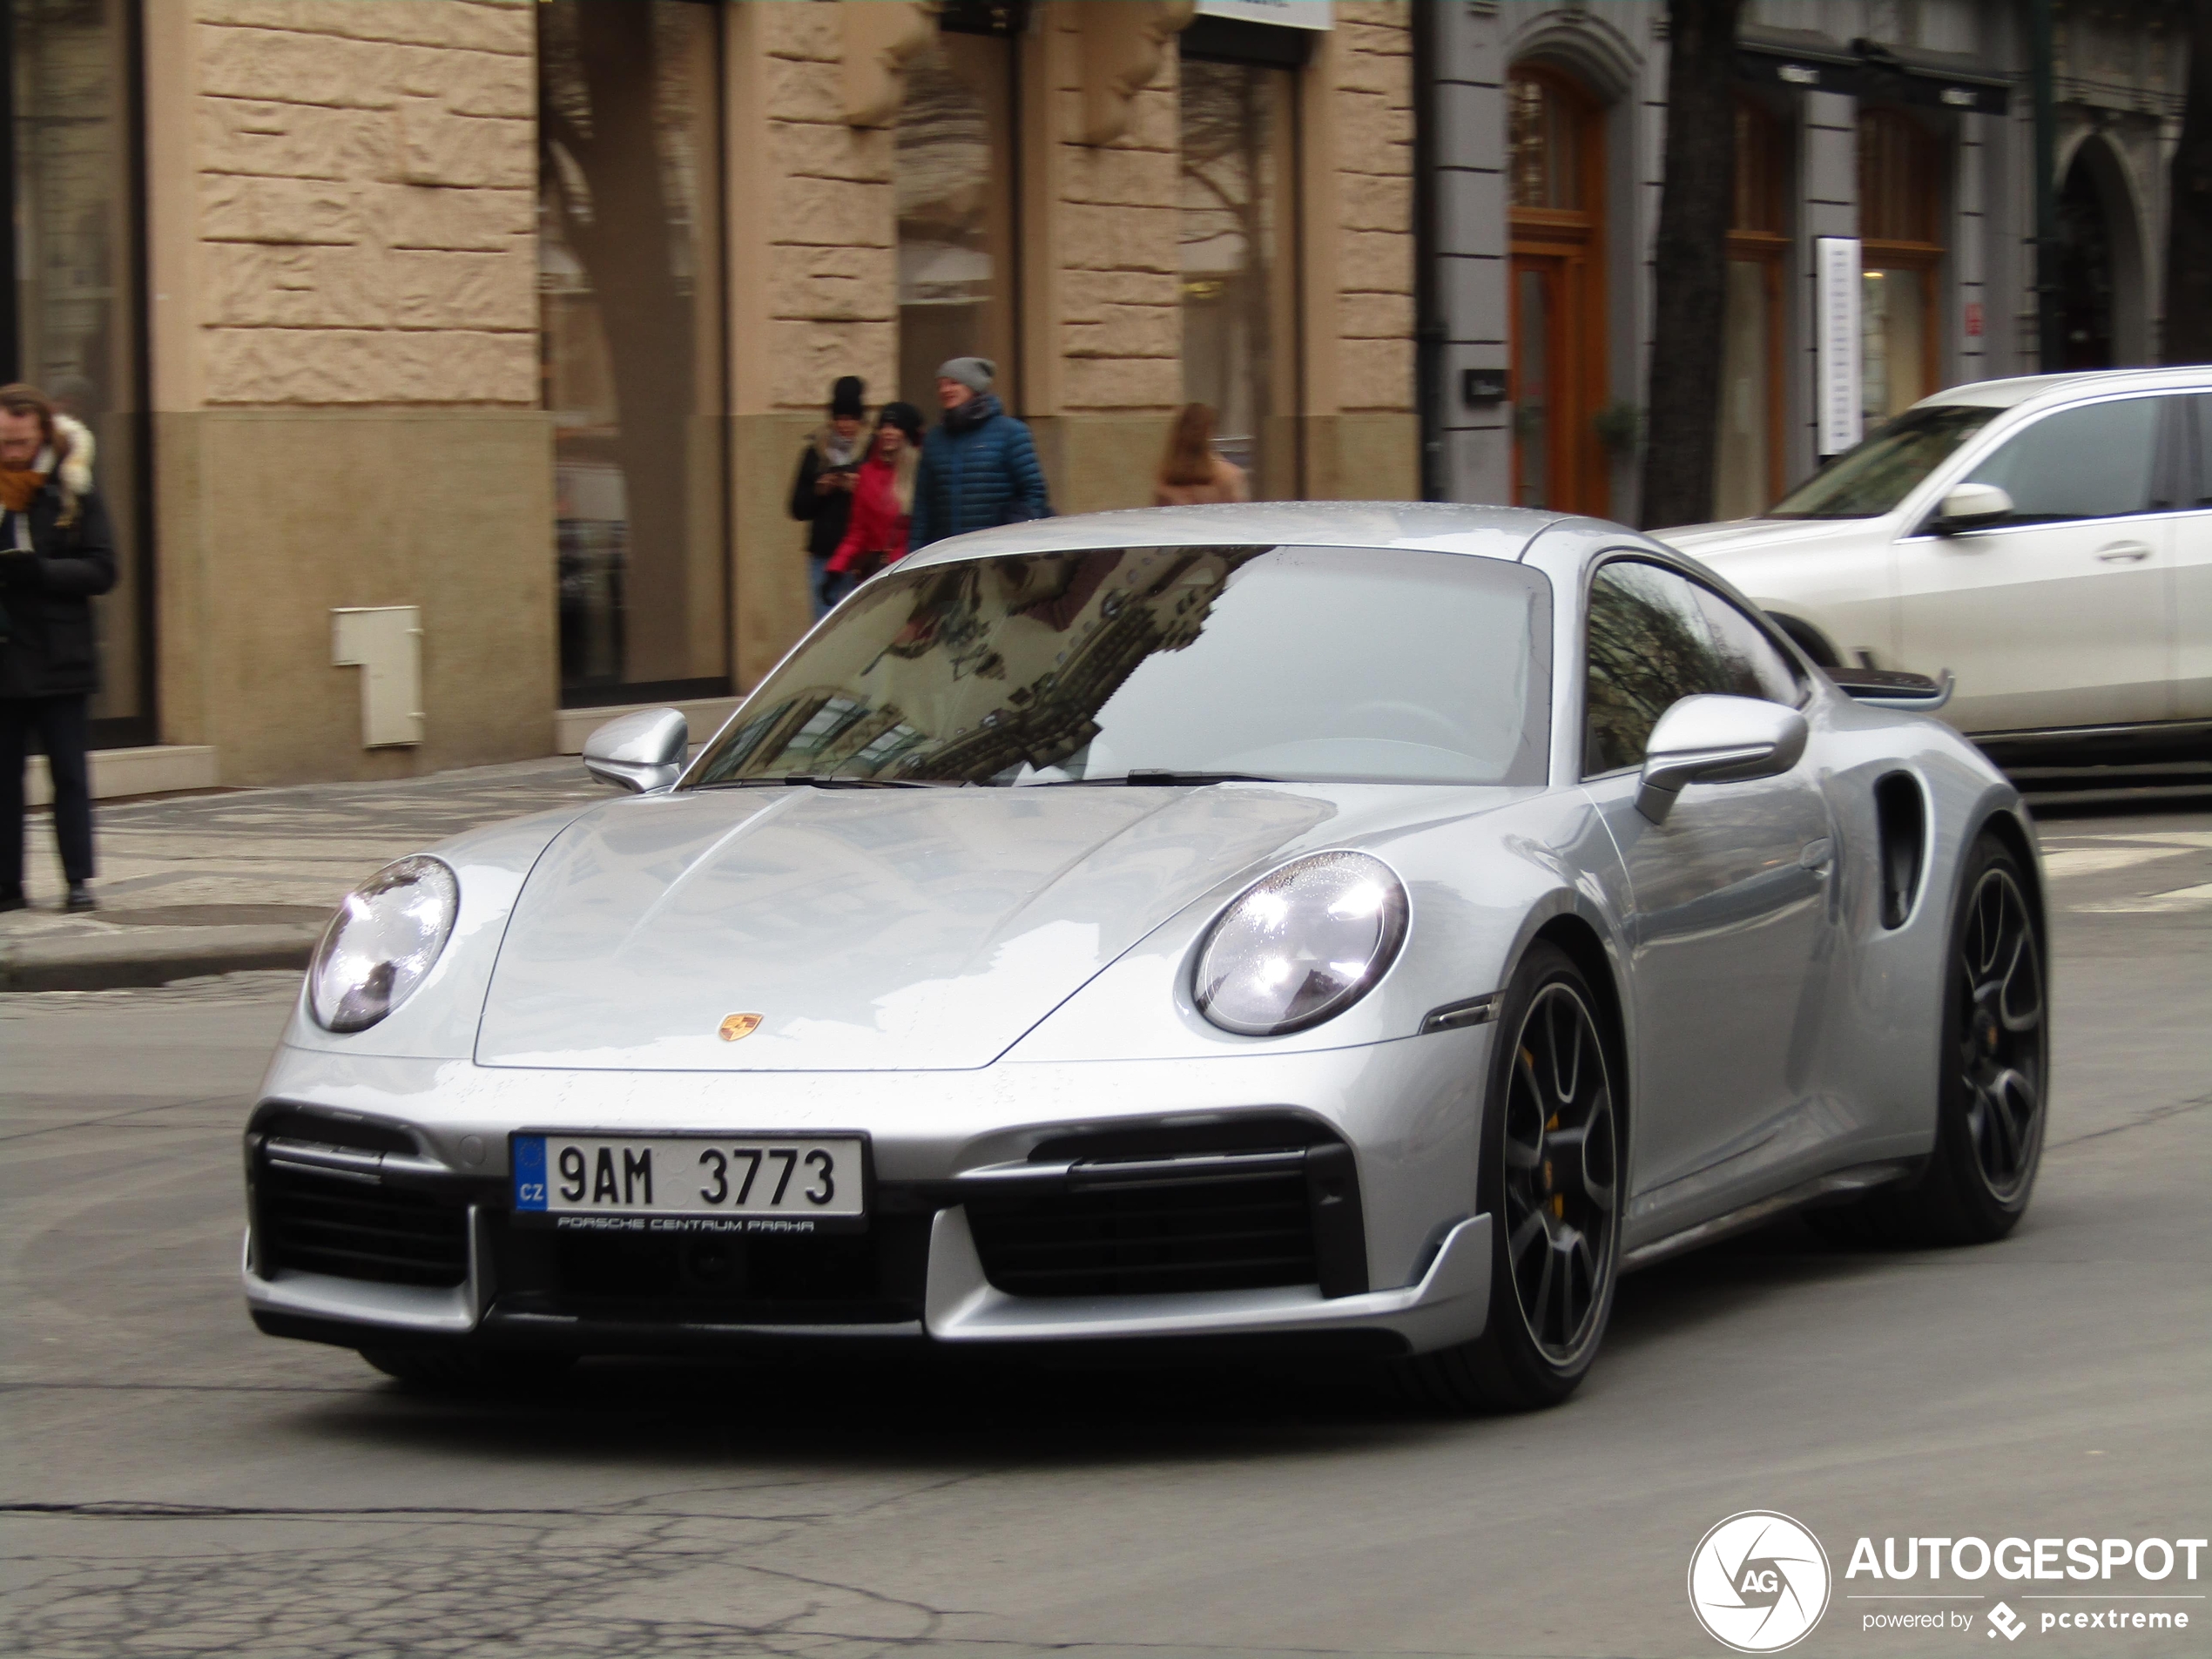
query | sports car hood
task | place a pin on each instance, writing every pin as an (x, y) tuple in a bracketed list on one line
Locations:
[(869, 930)]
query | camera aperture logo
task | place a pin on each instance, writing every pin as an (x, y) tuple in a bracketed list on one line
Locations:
[(1758, 1581)]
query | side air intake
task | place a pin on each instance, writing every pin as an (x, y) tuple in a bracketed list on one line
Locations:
[(1901, 813)]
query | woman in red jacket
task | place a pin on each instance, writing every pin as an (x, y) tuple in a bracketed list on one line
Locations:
[(883, 499)]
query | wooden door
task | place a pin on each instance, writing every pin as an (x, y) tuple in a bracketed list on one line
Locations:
[(1556, 303)]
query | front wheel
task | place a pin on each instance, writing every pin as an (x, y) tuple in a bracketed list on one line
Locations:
[(1549, 1176)]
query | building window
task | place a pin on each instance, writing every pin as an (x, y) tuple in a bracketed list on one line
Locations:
[(1900, 210), (629, 283), (1555, 172), (76, 323), (1748, 474), (954, 182), (1238, 329)]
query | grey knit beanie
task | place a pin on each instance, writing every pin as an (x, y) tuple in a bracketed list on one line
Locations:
[(976, 374)]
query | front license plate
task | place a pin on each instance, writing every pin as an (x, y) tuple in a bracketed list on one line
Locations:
[(691, 1184)]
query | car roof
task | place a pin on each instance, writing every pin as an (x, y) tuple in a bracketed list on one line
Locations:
[(2005, 393), (1443, 527)]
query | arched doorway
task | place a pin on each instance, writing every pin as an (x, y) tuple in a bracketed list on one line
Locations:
[(2101, 301), (1554, 180)]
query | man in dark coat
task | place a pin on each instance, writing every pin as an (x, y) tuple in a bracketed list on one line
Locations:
[(979, 466), (821, 496), (57, 551)]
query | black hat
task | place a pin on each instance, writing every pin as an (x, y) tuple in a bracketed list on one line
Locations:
[(848, 396), (905, 416)]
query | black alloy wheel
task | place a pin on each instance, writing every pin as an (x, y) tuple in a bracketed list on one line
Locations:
[(1998, 1033), (1993, 1077), (1561, 1173), (1549, 1177)]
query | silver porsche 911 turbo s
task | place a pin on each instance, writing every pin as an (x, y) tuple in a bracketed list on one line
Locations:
[(1367, 929)]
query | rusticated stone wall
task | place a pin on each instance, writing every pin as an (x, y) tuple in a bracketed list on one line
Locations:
[(1375, 121), (365, 178)]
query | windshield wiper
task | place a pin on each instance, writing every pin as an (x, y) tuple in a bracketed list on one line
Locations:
[(1157, 778), (827, 781)]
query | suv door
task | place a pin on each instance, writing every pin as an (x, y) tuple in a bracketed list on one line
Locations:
[(2056, 616), (1731, 925), (2192, 606)]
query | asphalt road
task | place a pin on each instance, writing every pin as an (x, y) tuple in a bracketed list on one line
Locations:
[(175, 1483)]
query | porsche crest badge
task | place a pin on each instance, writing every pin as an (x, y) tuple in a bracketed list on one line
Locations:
[(736, 1027)]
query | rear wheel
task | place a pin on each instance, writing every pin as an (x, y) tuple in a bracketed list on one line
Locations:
[(1995, 1070), (1548, 1173)]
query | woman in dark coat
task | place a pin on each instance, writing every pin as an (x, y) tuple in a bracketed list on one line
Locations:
[(56, 552), (821, 496)]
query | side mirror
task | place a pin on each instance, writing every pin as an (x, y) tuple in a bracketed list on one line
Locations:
[(642, 751), (1970, 506), (1707, 739)]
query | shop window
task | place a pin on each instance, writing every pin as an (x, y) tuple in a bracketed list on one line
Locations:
[(1238, 329), (1555, 172), (1900, 207), (77, 314), (954, 178), (629, 283), (1748, 471)]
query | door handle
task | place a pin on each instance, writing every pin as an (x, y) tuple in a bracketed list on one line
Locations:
[(1818, 856), (2123, 553)]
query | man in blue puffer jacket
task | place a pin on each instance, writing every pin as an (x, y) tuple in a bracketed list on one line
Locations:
[(979, 468)]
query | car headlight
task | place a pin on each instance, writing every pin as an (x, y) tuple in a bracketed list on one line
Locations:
[(1301, 945), (381, 943)]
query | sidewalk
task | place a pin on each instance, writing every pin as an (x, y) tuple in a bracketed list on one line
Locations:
[(212, 883)]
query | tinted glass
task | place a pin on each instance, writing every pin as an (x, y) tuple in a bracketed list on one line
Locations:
[(2092, 463), (1086, 667), (1655, 639), (2197, 485), (1870, 479)]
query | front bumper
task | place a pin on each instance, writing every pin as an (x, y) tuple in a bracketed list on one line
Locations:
[(981, 1178)]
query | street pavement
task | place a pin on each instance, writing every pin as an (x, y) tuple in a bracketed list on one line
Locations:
[(173, 1483)]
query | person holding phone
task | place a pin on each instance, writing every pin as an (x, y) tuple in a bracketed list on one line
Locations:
[(821, 496), (883, 503)]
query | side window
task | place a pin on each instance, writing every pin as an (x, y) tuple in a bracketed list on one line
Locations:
[(1653, 638), (2093, 463), (2197, 481)]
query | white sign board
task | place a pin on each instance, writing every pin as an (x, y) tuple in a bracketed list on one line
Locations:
[(1836, 302), (1291, 14)]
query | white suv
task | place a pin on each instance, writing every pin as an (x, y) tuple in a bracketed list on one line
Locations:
[(2048, 540)]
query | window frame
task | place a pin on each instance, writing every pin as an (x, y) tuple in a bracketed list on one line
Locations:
[(1794, 660), (2170, 468)]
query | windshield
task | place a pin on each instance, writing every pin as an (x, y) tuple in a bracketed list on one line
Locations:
[(1163, 664), (1871, 479)]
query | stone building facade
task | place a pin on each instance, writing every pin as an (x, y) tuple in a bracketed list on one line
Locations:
[(392, 364), (1903, 128)]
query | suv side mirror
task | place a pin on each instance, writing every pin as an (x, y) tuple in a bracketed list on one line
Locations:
[(1970, 506), (1710, 739), (642, 751)]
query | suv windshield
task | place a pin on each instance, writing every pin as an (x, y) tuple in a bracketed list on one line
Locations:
[(1868, 481), (1161, 664)]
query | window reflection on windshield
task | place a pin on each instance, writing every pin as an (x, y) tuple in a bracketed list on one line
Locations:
[(1162, 664), (1868, 481)]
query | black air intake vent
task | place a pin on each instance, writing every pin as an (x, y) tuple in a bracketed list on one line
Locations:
[(326, 1128), (1240, 1233), (1901, 813), (354, 1229)]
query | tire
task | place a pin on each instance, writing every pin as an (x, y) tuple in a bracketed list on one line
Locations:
[(1555, 1255), (448, 1371), (1994, 1076)]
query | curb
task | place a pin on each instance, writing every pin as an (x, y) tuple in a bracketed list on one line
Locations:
[(148, 956)]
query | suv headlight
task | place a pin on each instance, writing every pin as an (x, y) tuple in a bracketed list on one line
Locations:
[(1301, 945), (383, 942)]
